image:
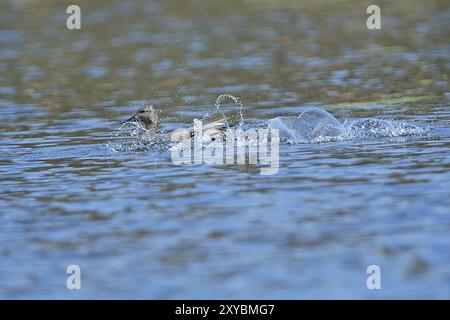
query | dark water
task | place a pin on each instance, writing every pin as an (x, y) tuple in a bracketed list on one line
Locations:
[(141, 227)]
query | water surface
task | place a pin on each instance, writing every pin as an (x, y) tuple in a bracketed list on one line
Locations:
[(141, 227)]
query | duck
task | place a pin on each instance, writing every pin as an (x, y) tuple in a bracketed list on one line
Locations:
[(148, 118), (145, 116)]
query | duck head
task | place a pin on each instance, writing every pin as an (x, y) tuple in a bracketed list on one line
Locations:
[(146, 116)]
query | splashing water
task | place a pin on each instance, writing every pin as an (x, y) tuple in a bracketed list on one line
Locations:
[(364, 129), (317, 125), (314, 125), (236, 102), (134, 137)]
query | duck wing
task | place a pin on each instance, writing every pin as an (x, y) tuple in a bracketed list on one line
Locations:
[(213, 130)]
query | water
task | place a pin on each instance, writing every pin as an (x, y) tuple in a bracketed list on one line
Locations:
[(236, 101), (317, 125), (140, 226)]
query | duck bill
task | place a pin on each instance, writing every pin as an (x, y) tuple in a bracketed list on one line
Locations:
[(130, 119)]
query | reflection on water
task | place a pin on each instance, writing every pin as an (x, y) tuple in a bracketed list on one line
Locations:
[(141, 227)]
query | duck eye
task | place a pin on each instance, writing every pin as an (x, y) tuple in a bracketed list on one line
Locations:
[(142, 111)]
